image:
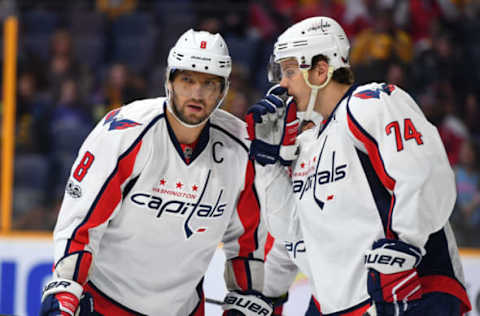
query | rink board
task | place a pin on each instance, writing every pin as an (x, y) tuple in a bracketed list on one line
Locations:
[(26, 263)]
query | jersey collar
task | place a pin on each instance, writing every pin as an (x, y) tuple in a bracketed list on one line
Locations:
[(347, 94), (201, 142)]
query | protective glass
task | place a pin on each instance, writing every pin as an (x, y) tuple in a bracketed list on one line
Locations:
[(186, 85), (276, 72)]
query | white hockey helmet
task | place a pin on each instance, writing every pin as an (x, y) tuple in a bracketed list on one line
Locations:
[(200, 51), (314, 36), (304, 40)]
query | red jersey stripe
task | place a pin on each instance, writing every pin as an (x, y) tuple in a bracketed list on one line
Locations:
[(106, 202), (373, 154), (84, 267), (106, 306), (248, 210), (378, 166), (268, 245), (441, 283)]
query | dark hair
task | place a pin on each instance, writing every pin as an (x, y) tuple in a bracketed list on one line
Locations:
[(342, 75)]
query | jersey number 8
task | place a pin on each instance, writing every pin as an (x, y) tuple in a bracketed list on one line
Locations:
[(83, 166)]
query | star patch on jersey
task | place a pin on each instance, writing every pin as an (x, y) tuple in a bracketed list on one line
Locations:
[(116, 123)]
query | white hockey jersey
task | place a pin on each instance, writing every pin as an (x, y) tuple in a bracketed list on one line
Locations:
[(376, 169), (151, 220)]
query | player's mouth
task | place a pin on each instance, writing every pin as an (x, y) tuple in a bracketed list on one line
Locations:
[(195, 107)]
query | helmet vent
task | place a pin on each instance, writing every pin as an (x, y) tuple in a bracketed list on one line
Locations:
[(299, 43)]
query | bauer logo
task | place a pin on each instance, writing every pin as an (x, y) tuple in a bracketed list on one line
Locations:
[(245, 304), (56, 284)]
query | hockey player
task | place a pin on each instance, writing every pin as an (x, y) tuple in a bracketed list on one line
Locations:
[(371, 190), (157, 185), (282, 263)]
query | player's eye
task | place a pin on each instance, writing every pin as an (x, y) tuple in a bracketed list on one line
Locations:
[(186, 79), (290, 72), (211, 83)]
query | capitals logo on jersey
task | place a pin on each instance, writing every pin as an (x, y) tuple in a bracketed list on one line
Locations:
[(116, 123), (304, 182), (295, 248), (163, 206)]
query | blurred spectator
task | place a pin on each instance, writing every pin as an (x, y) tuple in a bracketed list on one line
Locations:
[(309, 8), (423, 15), (471, 116), (115, 8), (121, 87), (69, 125), (210, 24), (31, 149), (240, 95), (466, 217), (31, 118), (466, 39), (429, 106), (377, 46), (63, 65), (265, 21), (453, 130), (440, 63), (357, 16), (396, 75)]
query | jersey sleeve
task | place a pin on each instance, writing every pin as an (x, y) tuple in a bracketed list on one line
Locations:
[(280, 270), (244, 240), (408, 158), (278, 204), (109, 159)]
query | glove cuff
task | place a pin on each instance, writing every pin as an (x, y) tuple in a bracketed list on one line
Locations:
[(264, 153), (288, 154), (63, 285)]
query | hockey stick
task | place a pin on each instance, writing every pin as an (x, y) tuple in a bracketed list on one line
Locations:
[(213, 301)]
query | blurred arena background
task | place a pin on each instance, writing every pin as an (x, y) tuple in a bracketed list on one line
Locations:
[(77, 60)]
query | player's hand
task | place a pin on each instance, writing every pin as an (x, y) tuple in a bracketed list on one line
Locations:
[(246, 304), (61, 297), (393, 282), (272, 126)]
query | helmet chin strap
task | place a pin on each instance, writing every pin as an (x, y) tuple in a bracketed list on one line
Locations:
[(310, 114)]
